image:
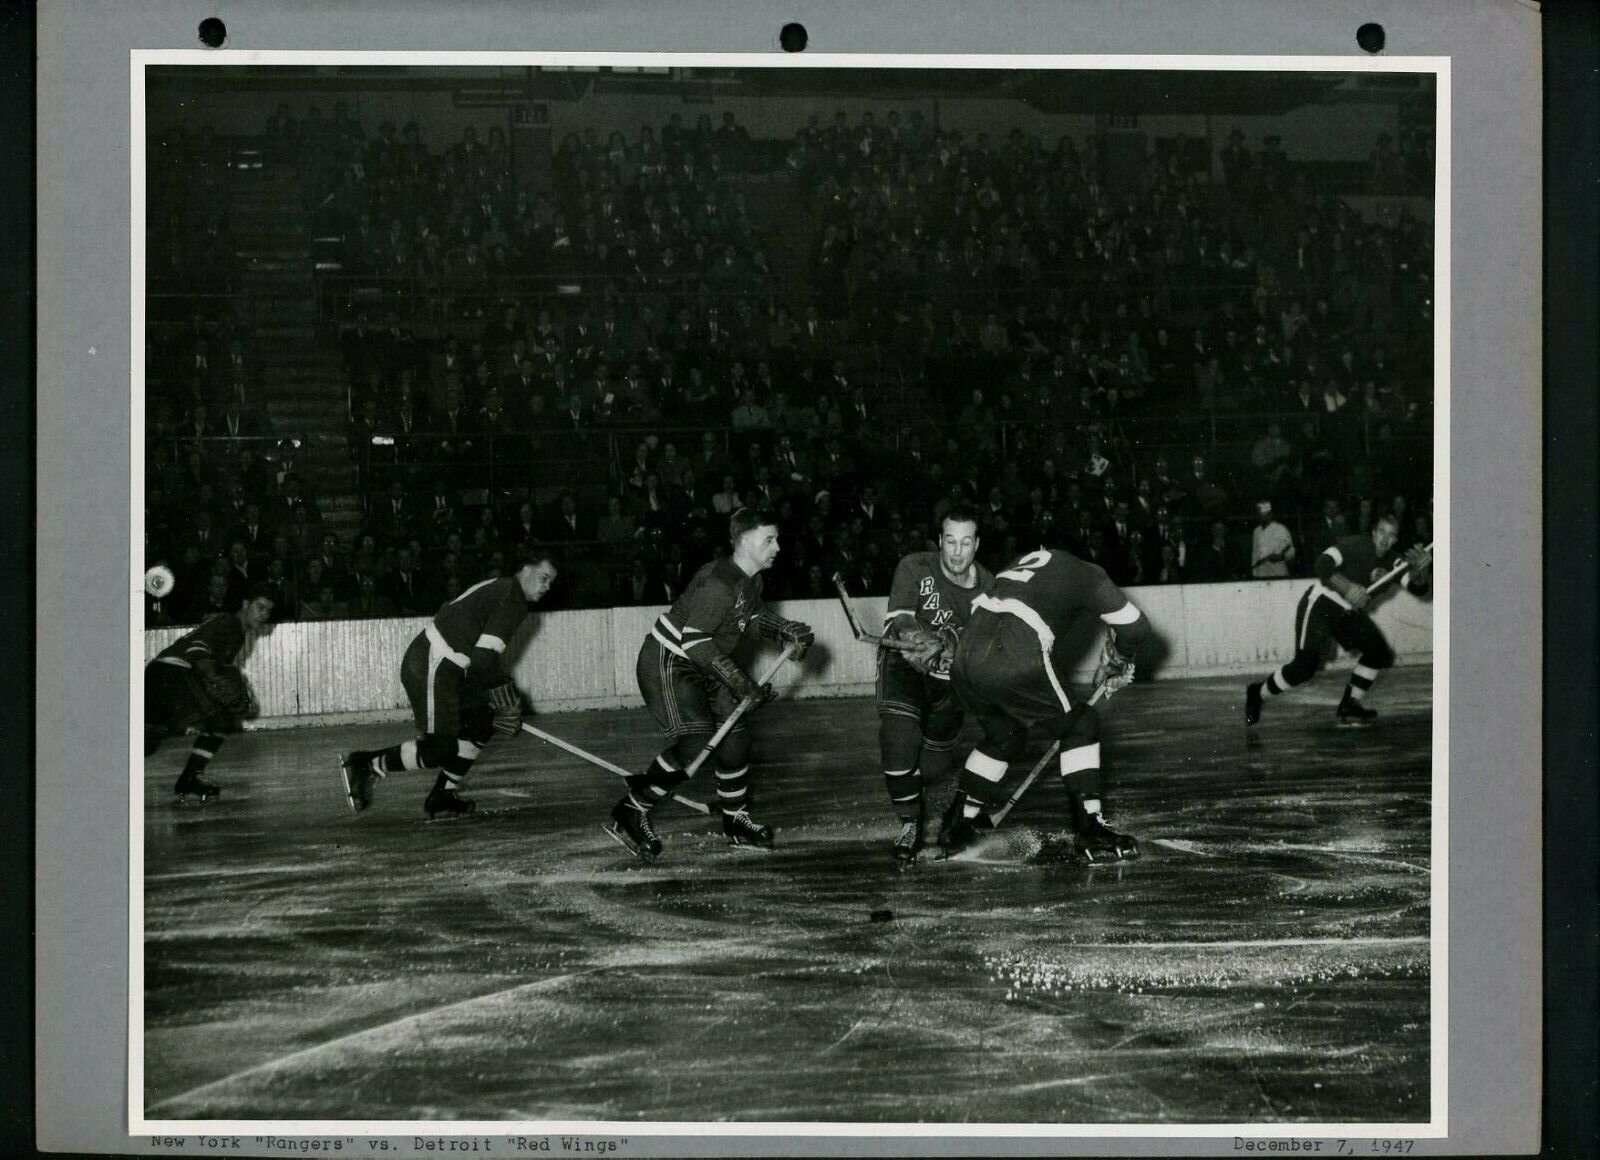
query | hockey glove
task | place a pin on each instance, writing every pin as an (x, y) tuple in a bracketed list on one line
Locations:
[(225, 685), (799, 634), (925, 650), (1420, 559), (1115, 671), (949, 638), (739, 682), (507, 705)]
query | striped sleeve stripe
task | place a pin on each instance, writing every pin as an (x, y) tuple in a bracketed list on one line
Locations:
[(1127, 614), (888, 616), (1334, 554), (667, 627), (491, 642)]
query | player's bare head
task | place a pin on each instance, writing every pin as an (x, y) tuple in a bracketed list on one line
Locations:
[(753, 532), (256, 608), (537, 573), (1385, 532), (958, 539)]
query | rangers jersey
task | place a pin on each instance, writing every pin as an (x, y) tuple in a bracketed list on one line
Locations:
[(921, 592), (220, 639), (719, 604), (471, 631)]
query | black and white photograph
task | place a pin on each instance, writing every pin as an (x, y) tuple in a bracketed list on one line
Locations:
[(875, 594)]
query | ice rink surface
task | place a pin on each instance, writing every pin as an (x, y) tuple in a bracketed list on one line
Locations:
[(1266, 961)]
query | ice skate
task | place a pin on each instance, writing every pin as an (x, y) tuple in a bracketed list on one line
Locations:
[(1252, 703), (908, 844), (743, 830), (355, 770), (192, 787), (1354, 715), (447, 801), (630, 826), (1098, 844)]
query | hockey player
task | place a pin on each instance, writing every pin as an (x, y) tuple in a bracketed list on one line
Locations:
[(1334, 609), (919, 719), (196, 681), (690, 683), (1007, 674), (454, 676)]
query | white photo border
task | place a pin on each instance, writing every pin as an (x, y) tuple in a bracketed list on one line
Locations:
[(1439, 66)]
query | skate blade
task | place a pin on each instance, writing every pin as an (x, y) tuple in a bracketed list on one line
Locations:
[(621, 839), (349, 790), (740, 844), (1355, 724)]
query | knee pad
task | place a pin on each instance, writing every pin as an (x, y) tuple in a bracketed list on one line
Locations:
[(1302, 667), (434, 749), (899, 740), (1006, 743), (941, 731), (1379, 655), (686, 749), (734, 752), (1082, 727)]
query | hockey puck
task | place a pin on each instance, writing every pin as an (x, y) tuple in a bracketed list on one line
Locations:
[(882, 915)]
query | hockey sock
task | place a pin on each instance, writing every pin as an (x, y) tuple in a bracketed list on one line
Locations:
[(1361, 678), (656, 782), (455, 767), (978, 778), (205, 748), (733, 786), (1275, 684), (905, 792), (406, 755)]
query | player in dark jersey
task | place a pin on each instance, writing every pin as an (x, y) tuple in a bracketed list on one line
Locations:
[(690, 683), (1334, 610), (919, 719), (1007, 674), (196, 681), (454, 676)]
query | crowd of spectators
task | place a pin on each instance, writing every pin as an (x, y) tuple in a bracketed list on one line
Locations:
[(983, 321)]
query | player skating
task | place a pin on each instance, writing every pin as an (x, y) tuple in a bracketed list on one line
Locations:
[(1334, 609), (1007, 674), (919, 718), (690, 683), (196, 681), (460, 694)]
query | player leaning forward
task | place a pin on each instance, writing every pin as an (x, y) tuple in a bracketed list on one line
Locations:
[(1334, 609), (691, 683), (1007, 672), (196, 681), (919, 718), (460, 694)]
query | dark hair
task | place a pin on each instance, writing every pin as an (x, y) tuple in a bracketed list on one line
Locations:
[(257, 592), (748, 519), (960, 512), (535, 554)]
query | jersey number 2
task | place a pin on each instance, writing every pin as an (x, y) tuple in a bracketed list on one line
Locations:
[(1026, 567)]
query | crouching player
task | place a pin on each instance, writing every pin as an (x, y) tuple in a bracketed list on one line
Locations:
[(1334, 609), (1007, 674), (460, 694), (690, 683), (196, 680), (919, 719)]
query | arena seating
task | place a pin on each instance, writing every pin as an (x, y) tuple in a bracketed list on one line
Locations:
[(385, 370)]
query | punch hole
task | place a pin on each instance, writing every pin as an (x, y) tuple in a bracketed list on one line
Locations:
[(213, 32), (1370, 37), (793, 38)]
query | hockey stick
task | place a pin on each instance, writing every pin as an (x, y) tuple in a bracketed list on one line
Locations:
[(739, 710), (593, 759), (1033, 774), (859, 632), (1397, 569)]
